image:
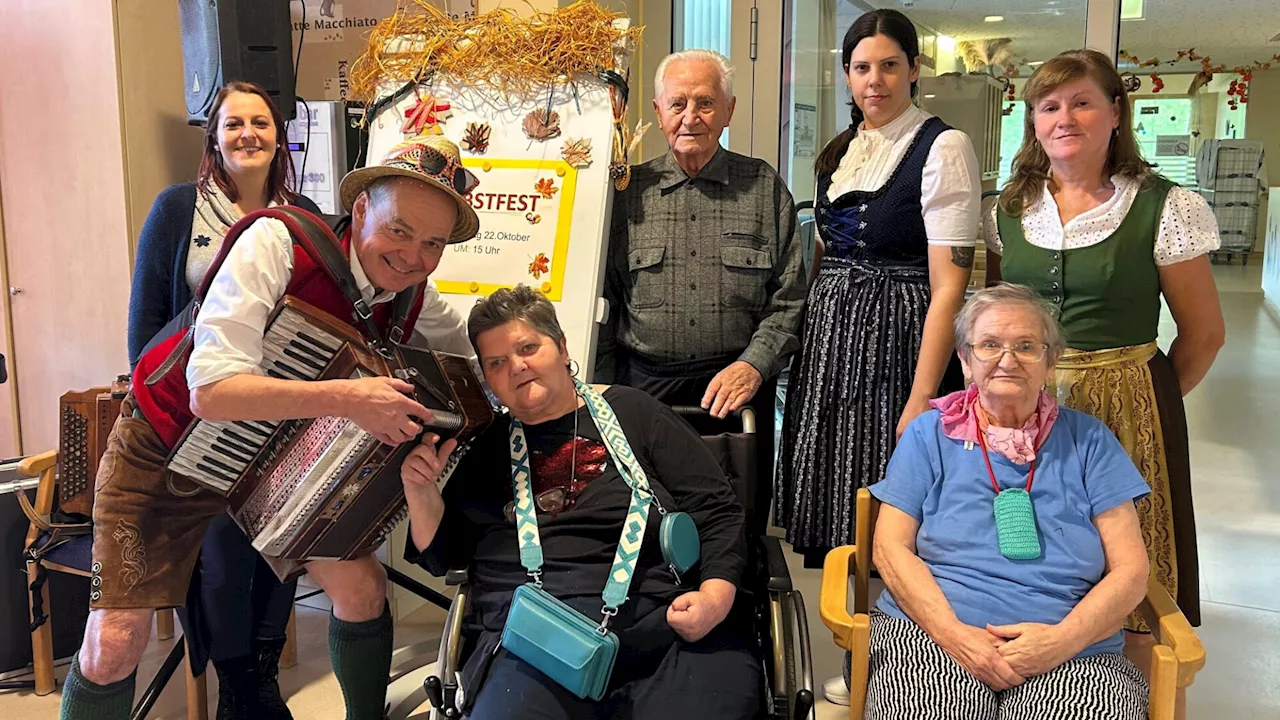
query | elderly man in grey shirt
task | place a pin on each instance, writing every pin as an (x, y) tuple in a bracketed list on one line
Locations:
[(705, 280)]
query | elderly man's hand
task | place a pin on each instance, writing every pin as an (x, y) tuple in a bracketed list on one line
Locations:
[(384, 407), (731, 388), (1033, 648)]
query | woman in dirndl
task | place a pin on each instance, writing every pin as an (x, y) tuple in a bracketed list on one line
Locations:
[(1085, 221), (898, 210)]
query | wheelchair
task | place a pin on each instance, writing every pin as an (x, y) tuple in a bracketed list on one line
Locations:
[(779, 627)]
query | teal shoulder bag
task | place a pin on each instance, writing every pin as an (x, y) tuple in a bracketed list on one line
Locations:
[(565, 645)]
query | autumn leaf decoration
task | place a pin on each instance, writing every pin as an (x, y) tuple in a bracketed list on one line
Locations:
[(425, 117), (540, 266), (476, 139), (577, 152), (542, 124), (546, 187)]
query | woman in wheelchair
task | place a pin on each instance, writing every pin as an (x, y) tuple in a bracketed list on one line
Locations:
[(683, 651), (1008, 541)]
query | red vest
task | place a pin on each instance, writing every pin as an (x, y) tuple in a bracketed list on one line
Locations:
[(166, 403)]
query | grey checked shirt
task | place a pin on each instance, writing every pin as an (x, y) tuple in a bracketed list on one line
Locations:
[(704, 267)]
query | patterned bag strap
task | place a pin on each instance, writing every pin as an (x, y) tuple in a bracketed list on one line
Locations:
[(526, 513), (624, 560)]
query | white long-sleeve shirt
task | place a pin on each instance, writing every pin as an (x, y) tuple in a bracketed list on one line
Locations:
[(251, 281)]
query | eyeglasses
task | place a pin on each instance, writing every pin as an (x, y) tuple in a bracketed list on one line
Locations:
[(1023, 352), (433, 163), (556, 500)]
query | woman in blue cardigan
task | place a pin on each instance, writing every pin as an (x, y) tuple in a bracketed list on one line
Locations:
[(236, 609)]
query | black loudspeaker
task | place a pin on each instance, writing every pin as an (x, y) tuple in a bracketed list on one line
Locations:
[(226, 40)]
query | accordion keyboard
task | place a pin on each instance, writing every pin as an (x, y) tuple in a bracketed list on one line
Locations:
[(218, 453)]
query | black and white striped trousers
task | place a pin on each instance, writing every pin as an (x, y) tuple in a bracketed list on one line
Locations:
[(912, 678)]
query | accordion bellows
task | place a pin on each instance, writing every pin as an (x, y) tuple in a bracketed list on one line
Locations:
[(324, 487)]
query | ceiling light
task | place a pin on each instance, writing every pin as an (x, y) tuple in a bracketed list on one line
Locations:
[(993, 18), (1036, 63), (1131, 10), (835, 51), (946, 43), (930, 96)]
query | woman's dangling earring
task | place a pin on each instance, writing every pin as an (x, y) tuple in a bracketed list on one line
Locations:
[(573, 368)]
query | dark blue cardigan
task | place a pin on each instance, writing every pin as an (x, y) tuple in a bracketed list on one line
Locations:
[(160, 289)]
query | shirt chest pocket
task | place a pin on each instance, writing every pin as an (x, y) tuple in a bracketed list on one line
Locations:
[(647, 287), (744, 275)]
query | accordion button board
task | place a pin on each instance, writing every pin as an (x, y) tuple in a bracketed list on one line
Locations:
[(85, 422)]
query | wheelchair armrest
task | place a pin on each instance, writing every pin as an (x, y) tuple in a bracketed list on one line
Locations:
[(745, 414), (457, 576), (776, 563)]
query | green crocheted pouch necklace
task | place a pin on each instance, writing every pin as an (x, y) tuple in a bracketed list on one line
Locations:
[(1015, 517)]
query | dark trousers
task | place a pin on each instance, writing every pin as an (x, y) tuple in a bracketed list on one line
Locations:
[(234, 598), (657, 677), (683, 384)]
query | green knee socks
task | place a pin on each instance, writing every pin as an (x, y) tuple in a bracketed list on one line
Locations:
[(361, 657), (86, 700)]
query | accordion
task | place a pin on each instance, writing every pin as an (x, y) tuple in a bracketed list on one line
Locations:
[(324, 488), (84, 423)]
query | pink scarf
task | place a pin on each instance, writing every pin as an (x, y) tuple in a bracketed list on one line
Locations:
[(960, 421)]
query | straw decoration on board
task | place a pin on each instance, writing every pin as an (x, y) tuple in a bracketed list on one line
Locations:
[(516, 56)]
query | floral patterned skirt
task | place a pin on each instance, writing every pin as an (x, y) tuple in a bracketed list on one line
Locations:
[(1135, 392)]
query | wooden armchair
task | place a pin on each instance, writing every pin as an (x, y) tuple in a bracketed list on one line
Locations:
[(1175, 659), (73, 556)]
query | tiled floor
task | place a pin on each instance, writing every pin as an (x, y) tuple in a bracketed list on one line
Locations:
[(1235, 434)]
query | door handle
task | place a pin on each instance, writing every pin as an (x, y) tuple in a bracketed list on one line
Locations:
[(14, 290)]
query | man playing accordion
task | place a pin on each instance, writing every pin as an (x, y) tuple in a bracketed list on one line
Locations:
[(149, 522)]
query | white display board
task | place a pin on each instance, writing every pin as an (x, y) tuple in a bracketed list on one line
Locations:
[(543, 221)]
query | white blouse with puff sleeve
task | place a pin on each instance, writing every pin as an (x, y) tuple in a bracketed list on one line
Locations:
[(1188, 228), (950, 188)]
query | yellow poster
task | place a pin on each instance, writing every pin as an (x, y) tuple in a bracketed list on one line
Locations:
[(526, 213)]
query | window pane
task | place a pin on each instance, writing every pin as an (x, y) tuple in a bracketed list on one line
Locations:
[(703, 25), (1207, 131)]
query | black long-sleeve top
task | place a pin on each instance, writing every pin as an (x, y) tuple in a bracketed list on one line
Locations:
[(578, 543)]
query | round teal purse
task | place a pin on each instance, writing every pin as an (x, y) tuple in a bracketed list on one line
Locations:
[(678, 537)]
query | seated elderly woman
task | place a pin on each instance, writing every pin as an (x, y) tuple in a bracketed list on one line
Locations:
[(1008, 541), (682, 653)]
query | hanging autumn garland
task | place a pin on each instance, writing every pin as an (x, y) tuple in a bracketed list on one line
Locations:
[(1237, 91)]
